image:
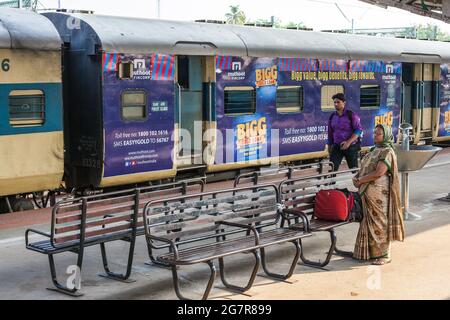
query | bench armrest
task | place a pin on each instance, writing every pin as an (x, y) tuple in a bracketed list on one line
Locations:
[(298, 213), (169, 242), (34, 231), (244, 226)]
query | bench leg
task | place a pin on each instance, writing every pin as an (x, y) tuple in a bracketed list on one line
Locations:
[(252, 277), (59, 287), (176, 281), (116, 276), (343, 253), (328, 257), (279, 276)]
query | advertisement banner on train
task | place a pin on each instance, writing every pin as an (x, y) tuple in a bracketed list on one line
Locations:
[(299, 123), (372, 90), (444, 119), (242, 85), (138, 113)]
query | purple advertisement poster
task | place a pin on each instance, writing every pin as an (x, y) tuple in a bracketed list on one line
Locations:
[(267, 132), (444, 119), (138, 113), (250, 132)]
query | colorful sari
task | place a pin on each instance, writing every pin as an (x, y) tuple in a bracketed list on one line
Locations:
[(382, 217)]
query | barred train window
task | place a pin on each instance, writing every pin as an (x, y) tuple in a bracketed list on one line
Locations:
[(326, 103), (240, 100), (370, 96), (289, 99), (134, 105), (26, 108)]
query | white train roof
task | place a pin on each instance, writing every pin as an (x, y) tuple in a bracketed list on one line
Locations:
[(24, 29), (135, 35), (290, 43)]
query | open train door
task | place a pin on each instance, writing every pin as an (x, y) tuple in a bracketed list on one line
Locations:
[(195, 83), (407, 92), (424, 101)]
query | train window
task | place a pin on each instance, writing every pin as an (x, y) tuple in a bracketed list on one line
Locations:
[(26, 108), (126, 70), (370, 96), (289, 99), (134, 105), (327, 92), (239, 100)]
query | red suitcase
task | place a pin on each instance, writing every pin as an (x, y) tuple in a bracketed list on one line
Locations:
[(333, 205)]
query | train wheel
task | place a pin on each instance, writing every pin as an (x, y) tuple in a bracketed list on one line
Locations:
[(21, 204)]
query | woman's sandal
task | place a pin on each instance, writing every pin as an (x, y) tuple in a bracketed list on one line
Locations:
[(381, 261)]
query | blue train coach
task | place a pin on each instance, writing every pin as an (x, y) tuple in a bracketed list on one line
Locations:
[(145, 99)]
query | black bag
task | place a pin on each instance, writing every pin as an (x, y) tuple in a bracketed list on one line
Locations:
[(356, 214)]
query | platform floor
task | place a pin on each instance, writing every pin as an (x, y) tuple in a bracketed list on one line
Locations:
[(420, 267)]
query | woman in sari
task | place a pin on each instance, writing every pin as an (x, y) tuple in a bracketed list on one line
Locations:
[(379, 188)]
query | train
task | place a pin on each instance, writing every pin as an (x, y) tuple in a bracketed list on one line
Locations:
[(93, 102)]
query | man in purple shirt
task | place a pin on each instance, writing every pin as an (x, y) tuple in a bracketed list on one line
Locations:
[(344, 133)]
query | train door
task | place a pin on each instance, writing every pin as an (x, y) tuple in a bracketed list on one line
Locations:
[(423, 102), (193, 76), (407, 80), (417, 101), (427, 110)]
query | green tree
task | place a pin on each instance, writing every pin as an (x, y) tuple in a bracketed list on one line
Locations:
[(431, 32), (235, 16), (275, 22), (293, 25)]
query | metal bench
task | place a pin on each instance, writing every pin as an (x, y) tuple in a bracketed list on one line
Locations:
[(187, 224), (276, 175), (298, 197), (96, 220)]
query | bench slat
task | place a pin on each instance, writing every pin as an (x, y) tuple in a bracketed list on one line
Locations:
[(90, 234), (179, 205), (110, 210), (300, 205), (144, 195), (66, 219), (211, 219), (158, 218), (60, 230), (293, 185), (65, 208), (257, 219), (299, 193), (187, 233)]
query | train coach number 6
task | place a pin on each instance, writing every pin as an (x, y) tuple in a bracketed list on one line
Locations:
[(5, 65)]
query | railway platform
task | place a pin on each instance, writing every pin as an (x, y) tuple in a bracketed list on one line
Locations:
[(420, 268)]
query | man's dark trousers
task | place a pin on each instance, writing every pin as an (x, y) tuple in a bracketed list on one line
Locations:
[(351, 155)]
